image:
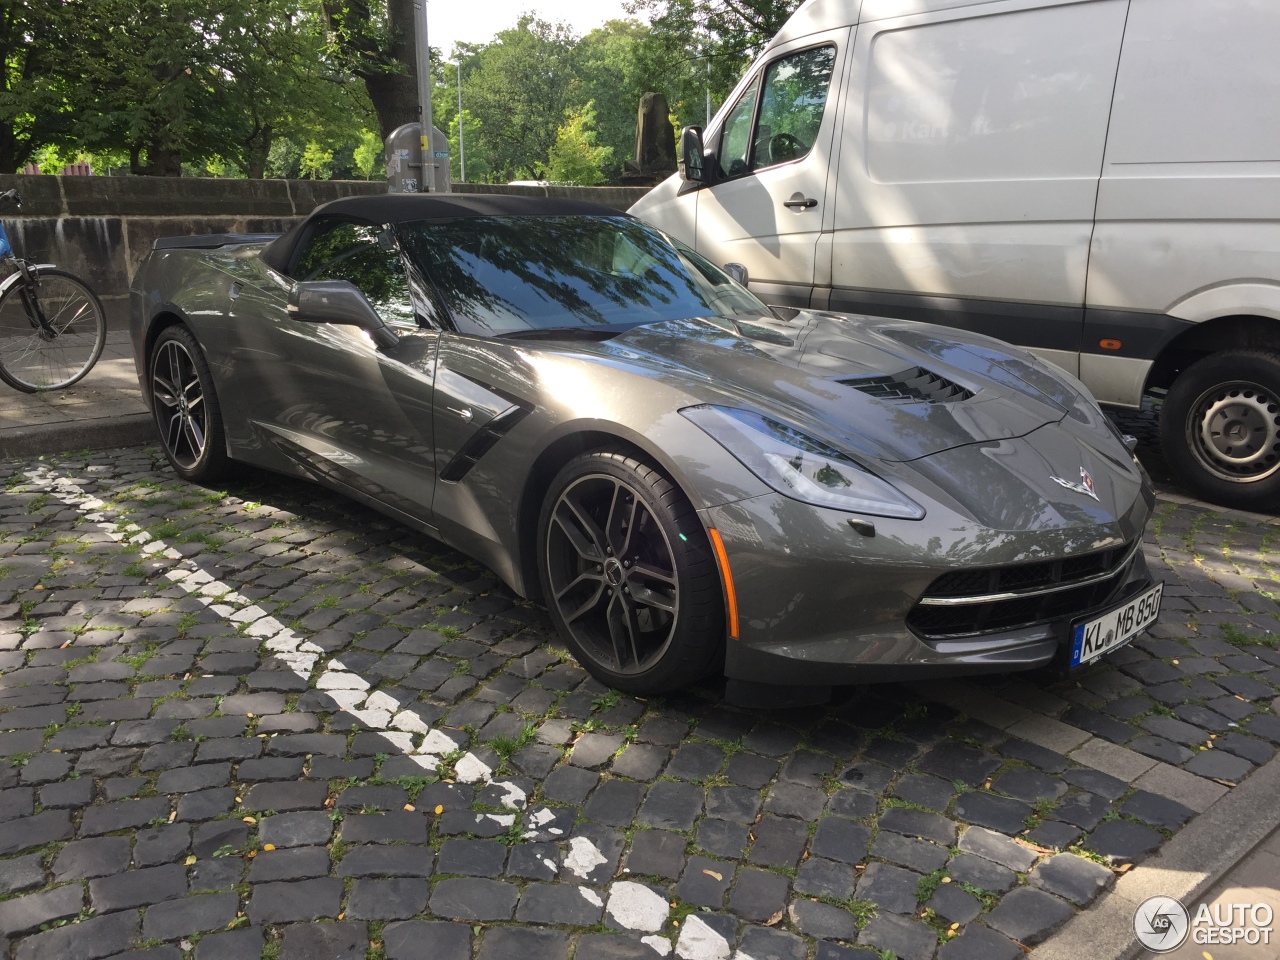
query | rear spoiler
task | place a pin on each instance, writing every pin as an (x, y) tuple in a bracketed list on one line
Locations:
[(211, 241)]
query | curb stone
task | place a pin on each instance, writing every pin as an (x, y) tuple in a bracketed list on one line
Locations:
[(1187, 867), (103, 433)]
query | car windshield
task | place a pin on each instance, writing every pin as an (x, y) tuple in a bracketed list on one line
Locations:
[(502, 276)]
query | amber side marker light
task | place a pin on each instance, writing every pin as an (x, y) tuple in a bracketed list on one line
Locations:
[(730, 594), (1110, 344)]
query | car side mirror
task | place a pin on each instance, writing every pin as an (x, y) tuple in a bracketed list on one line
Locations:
[(738, 272), (341, 302), (691, 155)]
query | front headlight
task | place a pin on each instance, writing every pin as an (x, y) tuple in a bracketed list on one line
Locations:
[(800, 467)]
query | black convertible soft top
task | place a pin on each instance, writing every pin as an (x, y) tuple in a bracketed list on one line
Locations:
[(405, 207)]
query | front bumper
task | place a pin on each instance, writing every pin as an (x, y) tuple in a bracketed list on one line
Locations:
[(821, 604)]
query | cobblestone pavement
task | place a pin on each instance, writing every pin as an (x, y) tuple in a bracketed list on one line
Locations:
[(228, 715)]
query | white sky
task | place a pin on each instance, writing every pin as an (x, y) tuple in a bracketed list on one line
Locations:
[(476, 21)]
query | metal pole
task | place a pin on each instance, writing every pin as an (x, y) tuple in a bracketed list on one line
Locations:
[(462, 154), (422, 56)]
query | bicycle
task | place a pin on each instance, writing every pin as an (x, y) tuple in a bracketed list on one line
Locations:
[(52, 326)]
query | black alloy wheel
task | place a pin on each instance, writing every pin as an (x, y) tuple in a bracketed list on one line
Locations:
[(628, 574), (186, 407), (1220, 428)]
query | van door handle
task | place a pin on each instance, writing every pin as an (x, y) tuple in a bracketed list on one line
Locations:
[(799, 202)]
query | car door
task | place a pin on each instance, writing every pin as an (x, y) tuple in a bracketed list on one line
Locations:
[(325, 395), (773, 156)]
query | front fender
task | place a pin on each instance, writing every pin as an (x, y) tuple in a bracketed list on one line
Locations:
[(14, 277)]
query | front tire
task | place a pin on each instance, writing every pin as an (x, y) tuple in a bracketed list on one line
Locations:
[(628, 575), (1220, 429), (186, 409)]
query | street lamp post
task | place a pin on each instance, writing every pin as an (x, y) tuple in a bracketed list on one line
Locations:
[(462, 153), (422, 54)]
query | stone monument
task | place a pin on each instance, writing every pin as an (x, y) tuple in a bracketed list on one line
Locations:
[(655, 155)]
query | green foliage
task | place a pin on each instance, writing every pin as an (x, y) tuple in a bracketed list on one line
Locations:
[(367, 156), (316, 162), (519, 89)]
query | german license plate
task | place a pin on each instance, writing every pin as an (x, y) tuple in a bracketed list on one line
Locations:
[(1093, 638)]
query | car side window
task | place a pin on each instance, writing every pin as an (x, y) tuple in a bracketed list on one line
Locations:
[(364, 255), (795, 94), (735, 139)]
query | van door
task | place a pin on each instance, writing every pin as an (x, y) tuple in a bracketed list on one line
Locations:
[(773, 154), (968, 175)]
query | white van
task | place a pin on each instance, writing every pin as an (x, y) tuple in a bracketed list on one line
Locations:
[(1098, 181)]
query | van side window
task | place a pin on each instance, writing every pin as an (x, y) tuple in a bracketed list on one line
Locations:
[(795, 93), (735, 140)]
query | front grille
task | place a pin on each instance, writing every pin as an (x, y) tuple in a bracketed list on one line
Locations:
[(911, 385), (1026, 576), (1047, 590)]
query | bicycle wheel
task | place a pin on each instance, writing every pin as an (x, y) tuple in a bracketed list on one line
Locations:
[(34, 358)]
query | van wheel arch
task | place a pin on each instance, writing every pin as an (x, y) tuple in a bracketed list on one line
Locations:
[(1237, 332)]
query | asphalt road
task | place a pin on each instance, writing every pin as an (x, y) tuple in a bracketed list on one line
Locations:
[(225, 715)]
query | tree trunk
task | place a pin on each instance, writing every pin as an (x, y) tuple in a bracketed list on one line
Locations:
[(9, 160), (259, 149), (395, 94), (389, 73), (162, 161)]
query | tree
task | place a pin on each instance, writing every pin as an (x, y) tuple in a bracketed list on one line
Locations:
[(703, 46), (376, 44), (33, 81), (616, 71), (518, 88), (368, 155), (316, 162), (576, 157)]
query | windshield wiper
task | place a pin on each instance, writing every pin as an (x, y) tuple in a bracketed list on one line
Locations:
[(565, 333)]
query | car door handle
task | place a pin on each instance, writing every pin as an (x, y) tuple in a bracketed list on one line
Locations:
[(801, 203)]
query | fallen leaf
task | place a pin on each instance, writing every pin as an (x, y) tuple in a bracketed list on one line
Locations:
[(341, 915), (249, 819), (268, 846), (251, 854), (776, 918), (190, 861), (439, 809), (410, 807), (173, 816), (946, 879), (712, 873)]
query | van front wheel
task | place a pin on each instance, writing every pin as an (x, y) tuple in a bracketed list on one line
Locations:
[(1220, 429)]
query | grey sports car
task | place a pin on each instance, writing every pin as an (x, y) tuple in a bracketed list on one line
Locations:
[(690, 480)]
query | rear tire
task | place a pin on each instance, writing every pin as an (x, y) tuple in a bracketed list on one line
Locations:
[(1220, 429), (31, 363), (628, 575), (185, 406)]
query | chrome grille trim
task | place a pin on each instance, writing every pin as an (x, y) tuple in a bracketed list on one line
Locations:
[(1033, 591)]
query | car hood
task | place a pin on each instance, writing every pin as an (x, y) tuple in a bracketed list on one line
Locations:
[(890, 390)]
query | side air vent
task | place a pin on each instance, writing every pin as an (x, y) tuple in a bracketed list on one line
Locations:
[(912, 385)]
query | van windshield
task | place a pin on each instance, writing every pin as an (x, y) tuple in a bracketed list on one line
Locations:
[(506, 275)]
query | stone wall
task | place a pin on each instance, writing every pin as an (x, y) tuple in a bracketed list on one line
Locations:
[(101, 228)]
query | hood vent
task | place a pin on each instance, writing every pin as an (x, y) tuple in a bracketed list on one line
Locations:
[(912, 385)]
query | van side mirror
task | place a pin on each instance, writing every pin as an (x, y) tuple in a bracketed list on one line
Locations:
[(691, 155), (341, 302), (738, 272)]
